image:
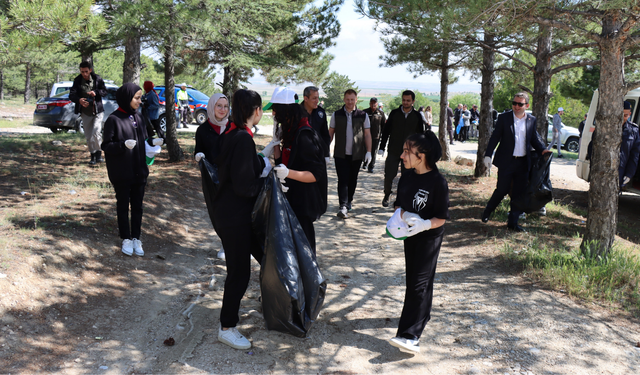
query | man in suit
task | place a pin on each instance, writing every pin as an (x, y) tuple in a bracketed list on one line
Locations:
[(516, 132)]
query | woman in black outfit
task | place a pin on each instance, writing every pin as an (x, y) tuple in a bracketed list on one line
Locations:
[(303, 168), (124, 150), (239, 171), (423, 201)]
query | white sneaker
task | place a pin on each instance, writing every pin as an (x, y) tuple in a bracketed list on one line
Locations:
[(406, 345), (137, 247), (233, 338), (221, 254), (127, 247)]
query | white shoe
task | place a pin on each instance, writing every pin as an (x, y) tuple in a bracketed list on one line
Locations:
[(137, 247), (233, 338), (221, 254), (127, 247), (406, 345)]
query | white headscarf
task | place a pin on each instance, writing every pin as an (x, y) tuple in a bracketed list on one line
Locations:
[(211, 110)]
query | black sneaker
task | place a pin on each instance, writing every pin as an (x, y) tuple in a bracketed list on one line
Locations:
[(99, 158), (385, 200), (560, 156), (93, 159)]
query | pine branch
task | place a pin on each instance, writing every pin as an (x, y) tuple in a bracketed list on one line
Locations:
[(571, 47), (563, 26), (574, 65), (632, 85), (510, 57)]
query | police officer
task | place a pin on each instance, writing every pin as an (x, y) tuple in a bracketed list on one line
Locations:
[(377, 120), (629, 148)]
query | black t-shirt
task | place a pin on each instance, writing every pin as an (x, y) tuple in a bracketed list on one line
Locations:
[(425, 194)]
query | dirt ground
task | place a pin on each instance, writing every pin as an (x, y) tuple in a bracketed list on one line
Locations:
[(72, 303)]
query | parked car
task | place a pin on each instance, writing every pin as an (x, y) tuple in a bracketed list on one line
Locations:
[(197, 102), (570, 137), (583, 166), (62, 86), (57, 112)]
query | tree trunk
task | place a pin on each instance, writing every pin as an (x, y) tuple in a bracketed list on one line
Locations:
[(444, 97), (88, 57), (132, 64), (485, 126), (542, 81), (27, 84), (1, 84), (173, 147), (604, 186)]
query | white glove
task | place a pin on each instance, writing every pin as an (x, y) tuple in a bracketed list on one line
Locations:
[(487, 162), (267, 167), (284, 188), (282, 172), (327, 160), (130, 143), (406, 216), (268, 149), (417, 225), (367, 157), (158, 141), (625, 180), (199, 156), (380, 152)]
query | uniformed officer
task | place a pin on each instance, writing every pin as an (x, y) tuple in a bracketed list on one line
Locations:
[(377, 120), (629, 148)]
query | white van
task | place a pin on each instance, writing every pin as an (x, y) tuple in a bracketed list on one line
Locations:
[(582, 165)]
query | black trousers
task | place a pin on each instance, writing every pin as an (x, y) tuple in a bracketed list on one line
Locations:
[(512, 180), (307, 227), (421, 257), (374, 151), (464, 133), (347, 171), (391, 171), (129, 195), (451, 138), (239, 245)]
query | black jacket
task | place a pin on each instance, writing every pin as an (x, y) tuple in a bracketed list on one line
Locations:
[(207, 142), (239, 170), (377, 120), (318, 121), (98, 87), (125, 166), (504, 134), (398, 128), (308, 199)]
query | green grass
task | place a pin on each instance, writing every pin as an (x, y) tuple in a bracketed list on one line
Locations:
[(31, 142), (614, 278), (566, 154), (16, 123)]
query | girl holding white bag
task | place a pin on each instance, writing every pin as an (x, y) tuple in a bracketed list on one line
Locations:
[(422, 208)]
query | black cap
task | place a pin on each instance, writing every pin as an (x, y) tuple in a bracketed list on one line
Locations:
[(373, 100), (627, 105)]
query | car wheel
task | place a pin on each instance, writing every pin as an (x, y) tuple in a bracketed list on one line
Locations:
[(201, 117), (163, 122), (80, 126), (572, 144)]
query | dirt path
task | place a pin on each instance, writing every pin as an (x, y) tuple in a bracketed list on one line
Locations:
[(484, 319)]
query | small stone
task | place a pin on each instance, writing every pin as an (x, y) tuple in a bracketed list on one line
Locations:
[(103, 367), (72, 192), (534, 351), (212, 282), (2, 275), (56, 143)]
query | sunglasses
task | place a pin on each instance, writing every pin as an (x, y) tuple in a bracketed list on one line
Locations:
[(519, 104)]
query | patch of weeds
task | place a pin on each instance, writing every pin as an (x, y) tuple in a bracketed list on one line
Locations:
[(614, 278)]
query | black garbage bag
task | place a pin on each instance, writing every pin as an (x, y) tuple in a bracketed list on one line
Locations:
[(539, 191), (210, 184), (293, 289)]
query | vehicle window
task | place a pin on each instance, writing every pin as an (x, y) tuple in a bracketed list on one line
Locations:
[(158, 91), (62, 93), (633, 108), (197, 95), (61, 89), (111, 94)]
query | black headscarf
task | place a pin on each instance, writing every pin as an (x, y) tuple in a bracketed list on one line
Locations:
[(125, 94)]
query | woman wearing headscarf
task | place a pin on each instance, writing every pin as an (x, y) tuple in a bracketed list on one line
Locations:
[(302, 167), (240, 174), (208, 134), (152, 109), (124, 150)]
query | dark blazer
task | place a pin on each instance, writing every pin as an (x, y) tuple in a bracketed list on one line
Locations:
[(504, 133)]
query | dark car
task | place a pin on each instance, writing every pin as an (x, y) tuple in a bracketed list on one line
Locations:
[(197, 102), (57, 112)]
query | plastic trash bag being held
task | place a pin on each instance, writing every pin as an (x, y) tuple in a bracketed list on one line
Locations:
[(293, 289), (539, 191)]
